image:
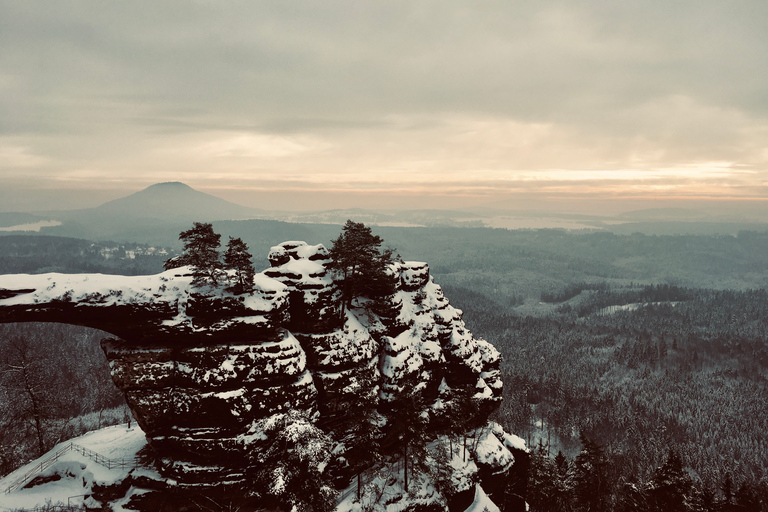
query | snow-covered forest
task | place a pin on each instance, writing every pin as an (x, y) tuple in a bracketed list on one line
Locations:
[(685, 376)]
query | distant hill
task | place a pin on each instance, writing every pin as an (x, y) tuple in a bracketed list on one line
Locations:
[(175, 201), (160, 208)]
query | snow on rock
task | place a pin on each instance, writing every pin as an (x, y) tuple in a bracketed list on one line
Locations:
[(315, 300), (482, 502), (401, 365), (198, 365), (462, 473), (511, 441), (347, 346), (490, 451), (159, 306), (414, 275)]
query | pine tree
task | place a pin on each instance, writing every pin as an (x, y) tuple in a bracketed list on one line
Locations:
[(727, 488), (590, 477), (201, 251), (238, 259), (291, 471), (410, 429), (442, 470), (562, 464), (542, 483), (358, 257), (631, 497), (362, 424), (671, 486), (747, 498)]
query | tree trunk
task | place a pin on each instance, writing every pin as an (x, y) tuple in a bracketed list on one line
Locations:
[(405, 469), (40, 440), (37, 412)]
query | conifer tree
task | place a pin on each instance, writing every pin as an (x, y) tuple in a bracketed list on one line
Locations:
[(442, 470), (362, 423), (590, 477), (238, 259), (727, 488), (747, 499), (358, 257), (291, 470), (542, 483), (201, 251), (410, 430), (671, 486), (562, 464)]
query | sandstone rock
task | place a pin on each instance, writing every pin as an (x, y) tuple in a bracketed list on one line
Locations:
[(200, 366)]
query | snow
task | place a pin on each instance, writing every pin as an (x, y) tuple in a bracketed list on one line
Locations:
[(483, 390), (510, 440), (491, 452), (118, 505), (304, 268), (170, 290), (78, 471), (390, 480), (401, 360), (482, 502), (429, 318)]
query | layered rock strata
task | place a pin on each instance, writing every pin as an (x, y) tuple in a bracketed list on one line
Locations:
[(199, 366)]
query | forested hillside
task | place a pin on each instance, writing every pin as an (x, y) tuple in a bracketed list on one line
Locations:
[(689, 375)]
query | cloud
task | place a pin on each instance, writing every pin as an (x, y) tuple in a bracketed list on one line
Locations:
[(383, 94)]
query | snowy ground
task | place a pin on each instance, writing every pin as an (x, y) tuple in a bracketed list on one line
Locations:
[(384, 489), (79, 472)]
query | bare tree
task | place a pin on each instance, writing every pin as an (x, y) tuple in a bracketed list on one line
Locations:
[(24, 377)]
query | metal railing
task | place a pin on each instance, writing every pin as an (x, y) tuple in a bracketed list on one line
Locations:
[(51, 459)]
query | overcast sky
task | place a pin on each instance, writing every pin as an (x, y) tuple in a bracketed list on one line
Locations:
[(439, 104)]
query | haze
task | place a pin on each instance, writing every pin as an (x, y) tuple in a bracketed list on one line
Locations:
[(579, 106)]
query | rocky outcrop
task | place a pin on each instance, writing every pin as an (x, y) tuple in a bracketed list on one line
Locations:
[(199, 366)]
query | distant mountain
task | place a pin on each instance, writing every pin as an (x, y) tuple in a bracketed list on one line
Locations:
[(155, 213), (175, 201)]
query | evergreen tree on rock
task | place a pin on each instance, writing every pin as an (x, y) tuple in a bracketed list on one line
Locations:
[(201, 251), (409, 430), (290, 470), (363, 426), (238, 259), (358, 257)]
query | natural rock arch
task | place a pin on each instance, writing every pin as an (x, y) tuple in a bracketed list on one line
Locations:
[(198, 366)]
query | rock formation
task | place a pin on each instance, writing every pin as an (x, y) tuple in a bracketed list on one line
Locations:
[(198, 366)]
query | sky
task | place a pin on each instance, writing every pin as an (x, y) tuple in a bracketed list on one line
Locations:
[(599, 105)]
